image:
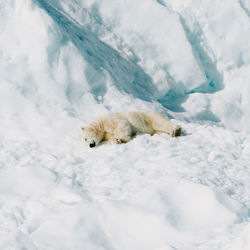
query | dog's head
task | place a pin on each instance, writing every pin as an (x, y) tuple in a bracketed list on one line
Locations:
[(91, 137)]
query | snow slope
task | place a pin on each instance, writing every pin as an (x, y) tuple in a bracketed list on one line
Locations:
[(64, 62)]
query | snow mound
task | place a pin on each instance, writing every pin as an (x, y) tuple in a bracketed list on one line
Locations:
[(171, 210)]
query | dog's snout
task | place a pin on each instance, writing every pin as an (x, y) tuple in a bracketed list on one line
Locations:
[(92, 144)]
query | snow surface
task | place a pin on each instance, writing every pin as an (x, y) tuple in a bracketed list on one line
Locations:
[(64, 62)]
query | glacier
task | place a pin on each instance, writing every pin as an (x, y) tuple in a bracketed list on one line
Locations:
[(64, 62)]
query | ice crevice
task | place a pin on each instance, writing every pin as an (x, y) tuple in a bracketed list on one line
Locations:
[(204, 57), (243, 5), (214, 81), (127, 76)]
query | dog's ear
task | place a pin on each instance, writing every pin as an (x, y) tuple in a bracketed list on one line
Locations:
[(82, 128)]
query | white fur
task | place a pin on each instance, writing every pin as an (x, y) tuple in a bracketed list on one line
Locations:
[(120, 127)]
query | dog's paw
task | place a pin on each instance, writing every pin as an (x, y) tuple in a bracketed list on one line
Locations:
[(119, 141), (115, 140), (176, 132)]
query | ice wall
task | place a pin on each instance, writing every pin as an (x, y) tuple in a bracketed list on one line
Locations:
[(197, 58), (60, 56)]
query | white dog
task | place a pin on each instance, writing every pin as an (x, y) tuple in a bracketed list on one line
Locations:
[(120, 127)]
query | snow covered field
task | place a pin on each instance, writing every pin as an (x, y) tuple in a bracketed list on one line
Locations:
[(64, 62)]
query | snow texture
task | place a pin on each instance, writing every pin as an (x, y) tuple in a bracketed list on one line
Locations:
[(64, 62)]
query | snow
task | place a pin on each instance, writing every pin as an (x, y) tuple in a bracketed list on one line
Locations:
[(64, 62)]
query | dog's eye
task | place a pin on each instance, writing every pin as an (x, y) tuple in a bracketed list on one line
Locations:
[(85, 139)]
